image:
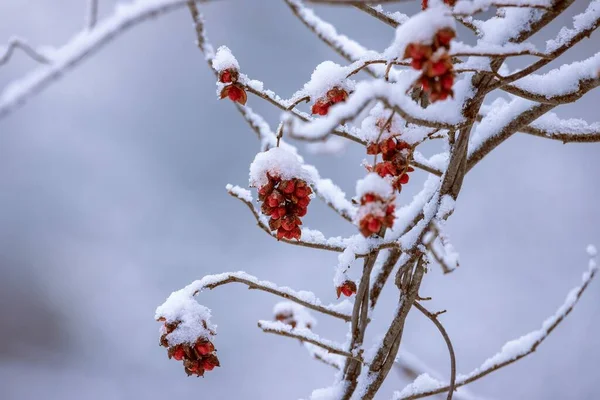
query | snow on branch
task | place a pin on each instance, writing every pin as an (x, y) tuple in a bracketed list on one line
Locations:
[(446, 115), (471, 7), (393, 19), (305, 335), (304, 298), (550, 126), (573, 78), (414, 367), (341, 44), (512, 351), (18, 43), (81, 46), (356, 246)]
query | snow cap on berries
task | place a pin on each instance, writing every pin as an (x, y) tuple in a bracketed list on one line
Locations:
[(193, 319), (224, 60), (421, 28), (326, 76), (374, 184), (278, 162)]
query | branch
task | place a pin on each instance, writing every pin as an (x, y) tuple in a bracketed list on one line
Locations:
[(558, 86), (341, 44), (315, 240), (511, 352), (17, 43), (305, 335), (469, 8), (437, 323), (82, 46), (565, 40), (304, 298), (392, 19), (92, 14), (549, 126)]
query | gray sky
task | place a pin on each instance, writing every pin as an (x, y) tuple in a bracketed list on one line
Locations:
[(112, 196)]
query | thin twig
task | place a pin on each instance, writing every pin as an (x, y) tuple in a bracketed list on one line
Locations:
[(440, 327)]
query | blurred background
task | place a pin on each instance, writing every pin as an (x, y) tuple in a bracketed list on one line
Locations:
[(112, 195)]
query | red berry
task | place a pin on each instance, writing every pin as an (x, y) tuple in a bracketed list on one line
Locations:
[(374, 225), (288, 187), (179, 353), (337, 95), (204, 347), (237, 94), (447, 81), (321, 107), (348, 288), (226, 77), (303, 202), (438, 68)]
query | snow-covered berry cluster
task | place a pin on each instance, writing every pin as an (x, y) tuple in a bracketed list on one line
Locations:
[(347, 288), (333, 96), (227, 68), (396, 155), (232, 88), (284, 201), (283, 188), (377, 207), (198, 356), (434, 61)]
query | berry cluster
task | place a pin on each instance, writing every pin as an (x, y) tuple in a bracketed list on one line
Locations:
[(334, 96), (232, 88), (396, 156), (285, 201), (197, 357), (348, 288), (438, 72), (375, 213)]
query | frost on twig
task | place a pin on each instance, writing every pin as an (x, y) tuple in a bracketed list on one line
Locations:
[(512, 351), (81, 46)]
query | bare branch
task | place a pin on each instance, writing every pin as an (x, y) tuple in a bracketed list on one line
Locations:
[(92, 14), (82, 46), (527, 344), (437, 323), (18, 43), (305, 335)]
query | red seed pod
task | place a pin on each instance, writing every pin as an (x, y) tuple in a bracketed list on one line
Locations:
[(193, 354), (204, 347), (348, 288), (235, 92), (228, 76), (337, 95), (321, 107)]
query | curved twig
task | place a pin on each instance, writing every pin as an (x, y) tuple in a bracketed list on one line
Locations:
[(440, 327)]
